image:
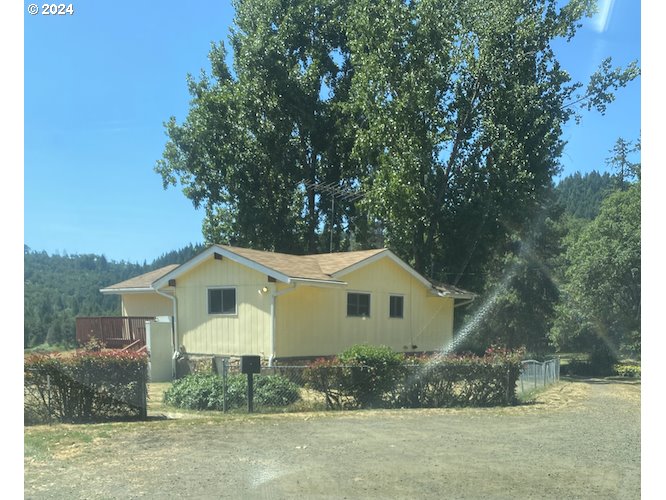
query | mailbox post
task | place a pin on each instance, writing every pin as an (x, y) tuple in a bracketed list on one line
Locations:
[(250, 365)]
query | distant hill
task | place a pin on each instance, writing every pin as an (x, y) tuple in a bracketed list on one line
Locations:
[(58, 288), (177, 256), (581, 195)]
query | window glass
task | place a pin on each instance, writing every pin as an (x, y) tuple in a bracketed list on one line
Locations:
[(222, 301), (358, 304), (396, 303)]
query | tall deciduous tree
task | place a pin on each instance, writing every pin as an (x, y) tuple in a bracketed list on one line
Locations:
[(462, 105), (447, 113), (255, 134)]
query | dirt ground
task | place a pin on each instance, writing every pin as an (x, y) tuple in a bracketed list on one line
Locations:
[(579, 440)]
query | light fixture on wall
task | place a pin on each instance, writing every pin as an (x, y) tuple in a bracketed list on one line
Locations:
[(263, 290)]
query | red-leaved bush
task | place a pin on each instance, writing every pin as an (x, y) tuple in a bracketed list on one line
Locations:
[(88, 385)]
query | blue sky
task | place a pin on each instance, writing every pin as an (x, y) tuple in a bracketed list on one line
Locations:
[(98, 86)]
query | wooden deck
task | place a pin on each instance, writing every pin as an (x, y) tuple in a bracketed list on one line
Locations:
[(114, 332)]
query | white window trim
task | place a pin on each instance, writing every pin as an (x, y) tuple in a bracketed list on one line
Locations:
[(403, 305), (226, 315), (358, 292)]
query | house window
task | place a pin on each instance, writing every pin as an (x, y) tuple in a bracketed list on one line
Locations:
[(396, 303), (358, 304), (221, 301)]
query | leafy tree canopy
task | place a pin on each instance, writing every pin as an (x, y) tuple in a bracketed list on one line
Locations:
[(603, 278), (446, 114)]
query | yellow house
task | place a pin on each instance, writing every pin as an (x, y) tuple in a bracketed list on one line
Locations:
[(231, 301)]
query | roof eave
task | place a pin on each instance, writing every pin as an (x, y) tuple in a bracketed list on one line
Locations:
[(198, 259), (454, 295), (316, 282), (122, 291), (379, 255)]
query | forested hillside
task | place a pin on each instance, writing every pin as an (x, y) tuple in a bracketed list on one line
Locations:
[(581, 195), (58, 288)]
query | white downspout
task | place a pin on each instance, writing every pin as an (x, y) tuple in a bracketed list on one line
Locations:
[(174, 330), (274, 296)]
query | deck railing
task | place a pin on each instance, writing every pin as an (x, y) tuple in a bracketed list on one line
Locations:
[(114, 332)]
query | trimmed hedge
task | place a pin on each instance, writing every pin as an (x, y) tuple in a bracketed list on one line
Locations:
[(201, 391), (365, 377), (488, 380), (87, 386)]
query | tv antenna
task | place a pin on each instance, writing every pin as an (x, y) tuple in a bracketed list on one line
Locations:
[(334, 191)]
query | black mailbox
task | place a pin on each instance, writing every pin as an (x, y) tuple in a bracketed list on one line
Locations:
[(250, 364)]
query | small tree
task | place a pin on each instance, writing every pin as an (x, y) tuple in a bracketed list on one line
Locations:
[(626, 171)]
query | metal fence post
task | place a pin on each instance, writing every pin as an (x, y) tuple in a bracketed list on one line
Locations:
[(250, 392), (48, 396), (225, 370), (143, 394)]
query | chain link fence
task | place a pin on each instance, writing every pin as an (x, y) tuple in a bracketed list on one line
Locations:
[(335, 387), (300, 388), (535, 374), (292, 385)]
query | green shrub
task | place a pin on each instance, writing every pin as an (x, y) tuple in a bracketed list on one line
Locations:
[(196, 392), (366, 376), (89, 385), (488, 380), (268, 390), (206, 392), (275, 390), (628, 370), (372, 373)]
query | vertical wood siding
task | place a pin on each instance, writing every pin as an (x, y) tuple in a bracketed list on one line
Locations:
[(146, 304), (246, 332), (313, 321)]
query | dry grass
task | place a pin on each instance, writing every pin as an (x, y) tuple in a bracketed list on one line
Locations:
[(352, 454)]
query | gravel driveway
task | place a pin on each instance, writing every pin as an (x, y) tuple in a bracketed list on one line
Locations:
[(580, 440)]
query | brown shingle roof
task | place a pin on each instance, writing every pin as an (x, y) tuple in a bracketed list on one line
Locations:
[(144, 280), (315, 267), (331, 263), (321, 267)]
